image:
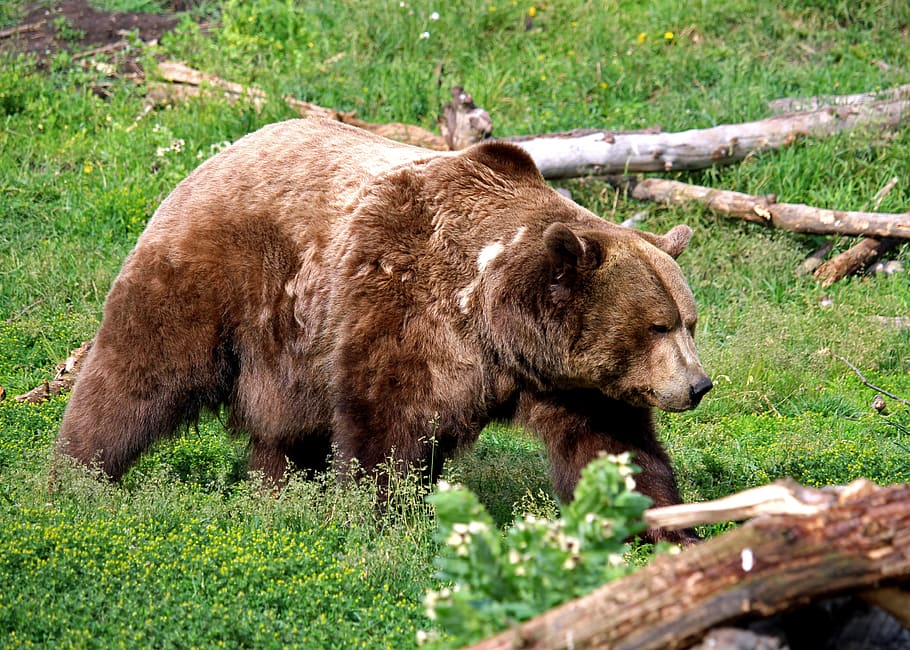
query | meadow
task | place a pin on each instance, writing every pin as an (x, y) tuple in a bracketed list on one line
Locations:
[(186, 551)]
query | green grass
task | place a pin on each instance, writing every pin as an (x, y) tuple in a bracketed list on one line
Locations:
[(186, 552)]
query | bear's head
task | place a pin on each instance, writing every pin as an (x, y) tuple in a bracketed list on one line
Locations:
[(571, 300), (630, 312)]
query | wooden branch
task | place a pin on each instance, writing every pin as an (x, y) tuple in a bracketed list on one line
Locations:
[(789, 104), (860, 540), (606, 152), (187, 82), (766, 210), (861, 255), (463, 123), (854, 259), (865, 382), (21, 29), (778, 498), (63, 379)]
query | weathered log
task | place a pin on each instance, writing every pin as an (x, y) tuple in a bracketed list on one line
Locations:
[(854, 259), (608, 152), (63, 379), (853, 541), (186, 81), (789, 104), (463, 123), (766, 210)]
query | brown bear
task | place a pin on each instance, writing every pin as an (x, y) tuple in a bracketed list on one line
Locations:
[(337, 290)]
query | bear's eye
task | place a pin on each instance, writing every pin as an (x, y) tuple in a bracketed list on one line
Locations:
[(658, 328)]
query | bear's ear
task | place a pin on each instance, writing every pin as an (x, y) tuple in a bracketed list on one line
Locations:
[(506, 159), (673, 243), (570, 256)]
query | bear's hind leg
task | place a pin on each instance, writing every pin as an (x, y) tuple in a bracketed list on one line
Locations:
[(106, 426)]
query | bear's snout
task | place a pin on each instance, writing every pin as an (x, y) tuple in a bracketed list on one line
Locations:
[(699, 389)]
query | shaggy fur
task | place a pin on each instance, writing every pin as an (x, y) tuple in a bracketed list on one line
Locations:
[(335, 288)]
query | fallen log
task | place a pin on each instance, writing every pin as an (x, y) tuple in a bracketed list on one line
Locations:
[(585, 153), (766, 210), (852, 540), (789, 104), (854, 259)]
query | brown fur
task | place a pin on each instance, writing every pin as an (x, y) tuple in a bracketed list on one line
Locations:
[(335, 288)]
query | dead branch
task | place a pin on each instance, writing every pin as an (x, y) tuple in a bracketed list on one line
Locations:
[(854, 259), (866, 382), (766, 210), (63, 379), (463, 123), (779, 498), (853, 541), (186, 82), (815, 259), (861, 255), (606, 152), (21, 29), (789, 104)]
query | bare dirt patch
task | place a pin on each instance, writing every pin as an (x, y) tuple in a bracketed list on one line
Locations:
[(74, 25)]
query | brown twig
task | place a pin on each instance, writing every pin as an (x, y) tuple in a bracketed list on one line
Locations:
[(866, 382), (22, 312), (21, 29)]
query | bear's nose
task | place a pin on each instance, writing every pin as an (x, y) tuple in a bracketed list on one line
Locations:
[(698, 390)]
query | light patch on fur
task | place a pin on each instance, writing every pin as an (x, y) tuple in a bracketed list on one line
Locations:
[(487, 254), (464, 295), (519, 235)]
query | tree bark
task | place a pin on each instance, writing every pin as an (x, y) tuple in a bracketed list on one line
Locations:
[(605, 152), (854, 541), (766, 210)]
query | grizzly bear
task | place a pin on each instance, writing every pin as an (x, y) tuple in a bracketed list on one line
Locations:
[(342, 293)]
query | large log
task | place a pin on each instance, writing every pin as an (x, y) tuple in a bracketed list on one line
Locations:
[(606, 152), (766, 210), (853, 540)]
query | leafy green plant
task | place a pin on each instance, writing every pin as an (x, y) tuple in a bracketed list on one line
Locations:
[(494, 579)]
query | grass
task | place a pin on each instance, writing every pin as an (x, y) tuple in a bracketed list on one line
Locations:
[(186, 552)]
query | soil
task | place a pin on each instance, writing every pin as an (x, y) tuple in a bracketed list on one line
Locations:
[(74, 26)]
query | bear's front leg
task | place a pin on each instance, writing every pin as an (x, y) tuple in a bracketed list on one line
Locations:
[(577, 425)]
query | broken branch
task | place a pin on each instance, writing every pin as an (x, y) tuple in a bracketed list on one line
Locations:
[(866, 382), (853, 259), (855, 542), (766, 210)]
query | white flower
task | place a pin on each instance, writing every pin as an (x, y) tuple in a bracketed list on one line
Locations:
[(443, 486), (615, 559), (434, 15), (424, 35), (514, 556), (422, 637), (462, 550), (630, 483), (476, 527), (570, 563)]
